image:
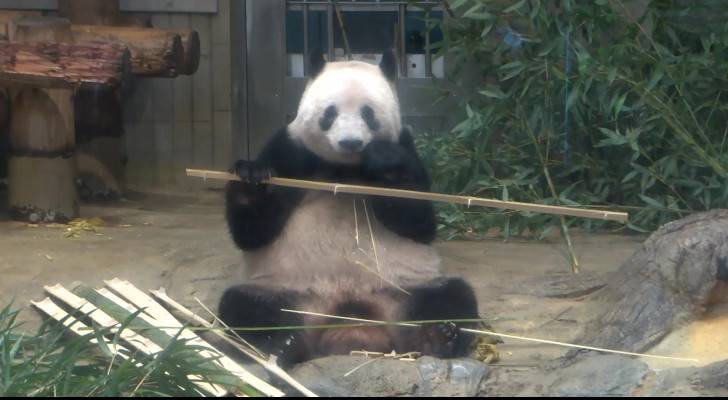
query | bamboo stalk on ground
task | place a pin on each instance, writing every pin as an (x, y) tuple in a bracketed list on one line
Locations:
[(154, 330), (504, 336), (269, 365), (410, 194)]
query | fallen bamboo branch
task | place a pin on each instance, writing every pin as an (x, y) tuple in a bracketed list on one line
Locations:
[(505, 336), (139, 343), (410, 194), (155, 329), (162, 296), (142, 301)]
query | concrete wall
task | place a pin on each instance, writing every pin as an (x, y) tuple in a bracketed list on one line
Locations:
[(187, 121)]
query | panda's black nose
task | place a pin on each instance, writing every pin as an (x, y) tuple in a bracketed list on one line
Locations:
[(351, 144)]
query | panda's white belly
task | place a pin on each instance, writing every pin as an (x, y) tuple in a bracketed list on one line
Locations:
[(318, 250)]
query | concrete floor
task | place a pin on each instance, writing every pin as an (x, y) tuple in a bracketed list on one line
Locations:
[(180, 242)]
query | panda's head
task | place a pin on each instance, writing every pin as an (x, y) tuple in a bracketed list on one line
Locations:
[(347, 105)]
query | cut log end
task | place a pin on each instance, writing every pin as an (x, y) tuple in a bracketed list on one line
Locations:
[(191, 42)]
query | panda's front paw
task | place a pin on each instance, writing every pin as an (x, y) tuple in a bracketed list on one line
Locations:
[(388, 163), (250, 189), (251, 171)]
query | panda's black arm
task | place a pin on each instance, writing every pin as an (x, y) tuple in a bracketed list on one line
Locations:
[(397, 165), (256, 213)]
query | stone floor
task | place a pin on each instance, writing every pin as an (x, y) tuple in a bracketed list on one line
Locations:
[(180, 242)]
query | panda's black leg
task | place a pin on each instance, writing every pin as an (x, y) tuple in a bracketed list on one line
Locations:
[(249, 306), (441, 299)]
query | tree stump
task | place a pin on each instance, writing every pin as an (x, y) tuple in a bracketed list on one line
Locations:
[(41, 169), (4, 136), (100, 143), (680, 270)]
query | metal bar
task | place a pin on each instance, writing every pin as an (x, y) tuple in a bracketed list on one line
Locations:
[(330, 29), (305, 40), (347, 48), (192, 6), (428, 53), (402, 40), (162, 6), (322, 5)]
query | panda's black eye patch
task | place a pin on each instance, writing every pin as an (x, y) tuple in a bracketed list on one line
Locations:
[(330, 114), (367, 114)]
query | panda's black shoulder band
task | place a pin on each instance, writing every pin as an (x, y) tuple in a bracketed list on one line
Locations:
[(256, 214)]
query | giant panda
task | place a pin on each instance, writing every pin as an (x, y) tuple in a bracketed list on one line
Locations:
[(313, 251)]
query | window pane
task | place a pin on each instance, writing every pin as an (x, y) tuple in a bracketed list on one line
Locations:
[(368, 31), (416, 28), (294, 32)]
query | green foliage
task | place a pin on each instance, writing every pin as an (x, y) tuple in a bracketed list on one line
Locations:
[(635, 119), (52, 363)]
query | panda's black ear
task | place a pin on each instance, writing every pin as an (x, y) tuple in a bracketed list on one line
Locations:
[(316, 62), (388, 65)]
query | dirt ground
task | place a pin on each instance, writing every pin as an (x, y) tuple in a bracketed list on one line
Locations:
[(180, 242)]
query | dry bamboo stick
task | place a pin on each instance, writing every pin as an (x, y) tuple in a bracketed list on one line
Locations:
[(410, 194), (164, 318), (50, 308), (212, 388), (506, 336), (162, 296), (104, 320), (135, 340)]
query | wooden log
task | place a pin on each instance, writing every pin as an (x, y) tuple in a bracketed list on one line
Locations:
[(90, 12), (99, 144), (96, 178), (41, 168), (154, 52), (4, 135), (40, 29), (98, 113), (62, 65), (8, 18), (101, 12), (41, 119), (191, 45)]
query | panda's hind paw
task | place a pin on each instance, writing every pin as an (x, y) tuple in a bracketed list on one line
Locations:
[(289, 349), (443, 339)]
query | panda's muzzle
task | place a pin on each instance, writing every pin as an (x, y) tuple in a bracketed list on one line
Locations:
[(351, 145)]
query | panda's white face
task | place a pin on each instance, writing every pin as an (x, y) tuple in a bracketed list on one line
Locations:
[(343, 109)]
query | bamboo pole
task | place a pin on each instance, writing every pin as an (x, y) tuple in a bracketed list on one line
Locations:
[(504, 336), (410, 194)]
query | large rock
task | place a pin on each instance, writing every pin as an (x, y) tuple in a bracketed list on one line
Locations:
[(607, 375), (711, 380), (425, 377), (664, 285)]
